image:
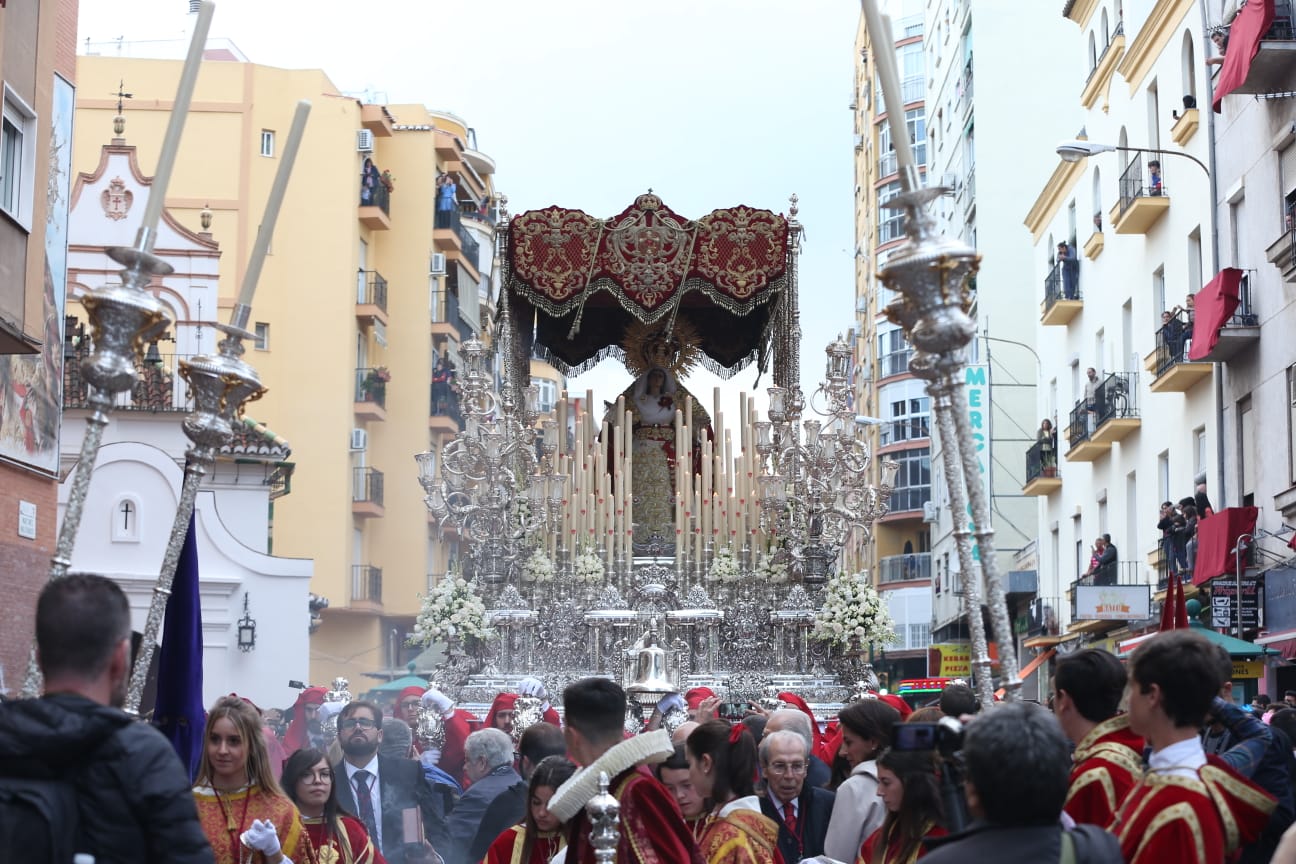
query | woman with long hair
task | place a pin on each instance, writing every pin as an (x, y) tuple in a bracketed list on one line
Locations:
[(722, 763), (857, 810), (539, 836), (243, 812), (333, 836), (910, 792)]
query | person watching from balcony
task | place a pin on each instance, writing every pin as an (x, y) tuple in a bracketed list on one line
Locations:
[(1095, 555), (1154, 177), (1106, 572), (1070, 270), (1220, 39), (1047, 437), (1091, 396), (1172, 336)]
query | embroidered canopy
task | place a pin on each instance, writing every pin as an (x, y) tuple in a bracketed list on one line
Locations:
[(577, 282)]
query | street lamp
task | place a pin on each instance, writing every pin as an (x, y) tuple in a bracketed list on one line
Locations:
[(1074, 151)]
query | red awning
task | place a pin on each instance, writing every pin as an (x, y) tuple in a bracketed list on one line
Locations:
[(1215, 304), (1283, 642), (1244, 35), (1217, 537)]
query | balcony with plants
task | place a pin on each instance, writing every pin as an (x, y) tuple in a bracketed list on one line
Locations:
[(371, 392), (1042, 476)]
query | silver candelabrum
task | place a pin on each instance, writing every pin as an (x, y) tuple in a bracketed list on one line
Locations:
[(604, 813), (486, 469), (930, 273), (815, 491), (123, 319), (221, 386)]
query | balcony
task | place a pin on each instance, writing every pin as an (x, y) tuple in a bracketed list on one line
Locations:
[(1174, 372), (371, 393), (371, 298), (158, 386), (1240, 331), (1282, 252), (908, 500), (375, 198), (1094, 245), (1185, 126), (1062, 299), (367, 493), (904, 568), (451, 237), (366, 587), (1120, 573), (1113, 414), (377, 119), (887, 164), (444, 413), (1042, 469), (1271, 68), (969, 190), (1100, 76), (1141, 205)]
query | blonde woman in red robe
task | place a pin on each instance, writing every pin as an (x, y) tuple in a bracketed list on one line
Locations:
[(910, 792), (332, 835), (722, 763), (242, 810), (539, 836)]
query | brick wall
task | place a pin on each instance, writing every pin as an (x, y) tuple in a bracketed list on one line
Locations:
[(24, 565), (66, 39)]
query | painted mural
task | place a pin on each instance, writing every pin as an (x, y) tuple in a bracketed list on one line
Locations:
[(31, 385)]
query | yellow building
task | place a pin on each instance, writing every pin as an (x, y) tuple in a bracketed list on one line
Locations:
[(366, 285)]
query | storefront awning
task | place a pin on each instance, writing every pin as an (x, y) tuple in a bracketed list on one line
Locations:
[(1235, 647), (1284, 642)]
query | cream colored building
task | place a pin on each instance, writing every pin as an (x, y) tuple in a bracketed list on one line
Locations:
[(365, 279), (1150, 425)]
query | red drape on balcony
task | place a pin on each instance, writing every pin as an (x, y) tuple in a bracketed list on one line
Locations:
[(1217, 538), (1251, 23), (1215, 304)]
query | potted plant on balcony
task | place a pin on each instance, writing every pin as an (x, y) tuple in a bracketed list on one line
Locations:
[(374, 383)]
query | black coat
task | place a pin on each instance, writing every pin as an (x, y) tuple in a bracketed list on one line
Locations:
[(818, 773), (134, 795), (983, 841), (401, 785), (814, 809), (491, 805)]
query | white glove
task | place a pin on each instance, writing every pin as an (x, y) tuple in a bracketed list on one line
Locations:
[(671, 701), (262, 837), (328, 709), (430, 757), (438, 700), (530, 686)]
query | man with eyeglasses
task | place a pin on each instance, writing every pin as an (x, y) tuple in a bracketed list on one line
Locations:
[(801, 811), (380, 789)]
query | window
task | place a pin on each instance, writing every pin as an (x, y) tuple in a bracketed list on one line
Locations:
[(1199, 450), (1246, 451), (893, 353), (890, 222), (267, 142), (919, 635), (916, 121), (17, 159), (913, 481), (546, 395), (1163, 476), (1194, 261), (262, 331), (1158, 296)]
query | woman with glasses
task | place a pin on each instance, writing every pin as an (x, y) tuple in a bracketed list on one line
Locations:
[(538, 837), (722, 763), (910, 792), (243, 812), (332, 835), (857, 810)]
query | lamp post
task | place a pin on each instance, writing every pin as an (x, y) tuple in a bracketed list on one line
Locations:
[(1074, 151)]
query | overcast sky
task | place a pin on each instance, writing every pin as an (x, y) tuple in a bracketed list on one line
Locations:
[(588, 103)]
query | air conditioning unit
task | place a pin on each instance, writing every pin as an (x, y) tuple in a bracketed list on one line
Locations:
[(929, 511), (364, 141), (437, 267), (359, 439)]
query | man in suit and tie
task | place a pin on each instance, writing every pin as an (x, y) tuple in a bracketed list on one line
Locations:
[(380, 789), (801, 811)]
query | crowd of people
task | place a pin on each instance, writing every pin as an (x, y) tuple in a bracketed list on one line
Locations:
[(1141, 761)]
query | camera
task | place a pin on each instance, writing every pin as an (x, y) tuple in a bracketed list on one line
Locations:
[(944, 736)]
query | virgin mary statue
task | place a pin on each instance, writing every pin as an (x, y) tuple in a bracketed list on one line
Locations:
[(652, 401)]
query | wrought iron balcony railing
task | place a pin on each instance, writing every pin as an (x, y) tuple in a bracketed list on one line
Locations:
[(1116, 396), (366, 583), (1041, 460), (372, 289), (368, 486)]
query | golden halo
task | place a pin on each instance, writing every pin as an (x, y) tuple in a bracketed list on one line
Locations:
[(647, 346)]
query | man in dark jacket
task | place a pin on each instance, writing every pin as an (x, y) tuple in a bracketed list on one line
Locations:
[(1018, 767), (800, 810), (380, 790), (495, 801), (132, 793)]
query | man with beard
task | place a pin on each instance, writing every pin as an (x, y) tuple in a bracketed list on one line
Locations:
[(380, 789), (113, 788)]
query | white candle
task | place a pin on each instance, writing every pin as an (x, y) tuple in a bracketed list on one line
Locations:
[(266, 231), (879, 28), (175, 125)]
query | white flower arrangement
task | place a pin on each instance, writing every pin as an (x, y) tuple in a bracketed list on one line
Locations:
[(451, 610), (725, 567), (588, 567), (852, 609), (538, 568), (771, 571)]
